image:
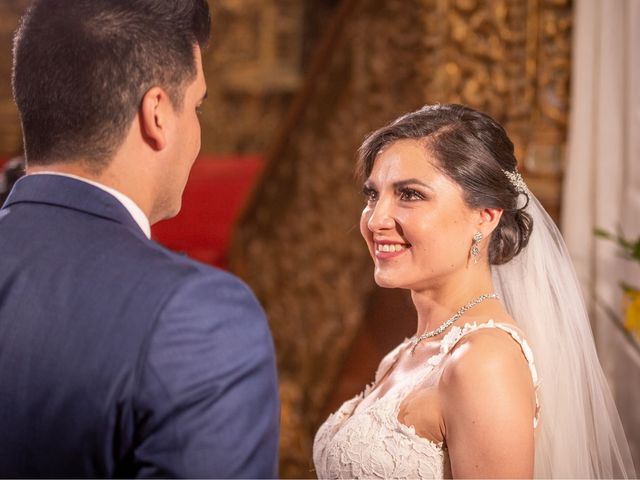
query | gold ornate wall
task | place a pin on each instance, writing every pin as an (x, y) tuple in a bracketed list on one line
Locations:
[(298, 243), (253, 68)]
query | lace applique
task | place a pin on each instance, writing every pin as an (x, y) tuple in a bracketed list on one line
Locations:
[(372, 443)]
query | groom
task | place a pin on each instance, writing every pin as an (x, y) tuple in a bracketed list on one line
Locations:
[(119, 358)]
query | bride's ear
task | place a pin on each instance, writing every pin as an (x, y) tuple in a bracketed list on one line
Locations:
[(488, 219)]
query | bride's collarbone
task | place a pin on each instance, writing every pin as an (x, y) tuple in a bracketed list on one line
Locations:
[(401, 369)]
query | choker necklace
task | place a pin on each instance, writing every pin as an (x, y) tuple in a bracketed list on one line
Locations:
[(416, 340)]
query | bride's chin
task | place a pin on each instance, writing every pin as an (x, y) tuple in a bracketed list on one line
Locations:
[(386, 282)]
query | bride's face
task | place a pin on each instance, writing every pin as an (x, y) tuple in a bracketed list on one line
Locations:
[(416, 224)]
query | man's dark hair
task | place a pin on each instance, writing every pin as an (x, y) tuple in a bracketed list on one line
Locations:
[(81, 68)]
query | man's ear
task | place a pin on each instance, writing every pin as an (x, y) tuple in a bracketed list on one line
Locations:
[(155, 113), (488, 220)]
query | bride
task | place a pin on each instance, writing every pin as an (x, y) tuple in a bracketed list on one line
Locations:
[(501, 378)]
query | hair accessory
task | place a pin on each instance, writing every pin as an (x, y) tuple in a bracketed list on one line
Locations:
[(516, 180), (475, 248), (416, 340)]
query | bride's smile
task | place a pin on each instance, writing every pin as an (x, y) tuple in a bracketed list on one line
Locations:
[(388, 249)]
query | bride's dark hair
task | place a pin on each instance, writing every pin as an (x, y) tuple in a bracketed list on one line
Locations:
[(473, 150)]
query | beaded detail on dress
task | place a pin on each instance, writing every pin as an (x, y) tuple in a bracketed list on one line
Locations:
[(372, 443)]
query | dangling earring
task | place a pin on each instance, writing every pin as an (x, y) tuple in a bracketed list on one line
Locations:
[(475, 248)]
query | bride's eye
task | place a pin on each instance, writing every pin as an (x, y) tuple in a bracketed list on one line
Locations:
[(370, 194), (409, 194)]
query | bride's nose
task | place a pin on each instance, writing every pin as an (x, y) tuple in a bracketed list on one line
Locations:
[(381, 217)]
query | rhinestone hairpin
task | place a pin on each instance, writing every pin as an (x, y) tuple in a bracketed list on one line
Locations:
[(516, 180)]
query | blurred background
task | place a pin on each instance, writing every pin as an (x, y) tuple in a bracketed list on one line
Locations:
[(295, 85)]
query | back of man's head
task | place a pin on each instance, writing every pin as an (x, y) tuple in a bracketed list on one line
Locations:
[(81, 68)]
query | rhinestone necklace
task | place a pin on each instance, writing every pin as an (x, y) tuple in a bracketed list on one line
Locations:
[(416, 340)]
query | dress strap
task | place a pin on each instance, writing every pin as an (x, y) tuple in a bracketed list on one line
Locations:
[(457, 333)]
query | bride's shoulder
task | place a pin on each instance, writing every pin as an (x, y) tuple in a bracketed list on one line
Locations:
[(488, 399), (486, 357)]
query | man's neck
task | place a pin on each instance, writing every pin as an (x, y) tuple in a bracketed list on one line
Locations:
[(108, 177), (65, 168)]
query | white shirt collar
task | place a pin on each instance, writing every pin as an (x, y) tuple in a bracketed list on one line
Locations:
[(133, 209)]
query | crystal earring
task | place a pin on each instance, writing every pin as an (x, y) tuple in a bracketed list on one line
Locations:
[(475, 248)]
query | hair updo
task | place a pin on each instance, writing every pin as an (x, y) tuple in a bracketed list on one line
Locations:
[(473, 150)]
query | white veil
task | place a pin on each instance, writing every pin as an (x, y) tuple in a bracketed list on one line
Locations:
[(580, 434)]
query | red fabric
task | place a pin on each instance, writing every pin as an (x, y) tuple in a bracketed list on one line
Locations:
[(4, 159), (214, 196)]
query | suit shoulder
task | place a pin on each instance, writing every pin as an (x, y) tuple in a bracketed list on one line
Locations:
[(191, 271)]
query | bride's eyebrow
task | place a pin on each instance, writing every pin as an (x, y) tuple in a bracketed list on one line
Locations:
[(411, 181)]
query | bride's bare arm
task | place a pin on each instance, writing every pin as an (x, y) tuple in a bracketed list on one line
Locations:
[(488, 408)]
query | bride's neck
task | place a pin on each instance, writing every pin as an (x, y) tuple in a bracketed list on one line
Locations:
[(435, 305)]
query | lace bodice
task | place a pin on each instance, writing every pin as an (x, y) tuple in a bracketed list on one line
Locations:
[(372, 443)]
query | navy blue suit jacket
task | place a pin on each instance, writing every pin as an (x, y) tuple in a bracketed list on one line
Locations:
[(119, 358)]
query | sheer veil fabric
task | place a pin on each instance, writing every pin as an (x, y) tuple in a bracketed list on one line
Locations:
[(580, 434)]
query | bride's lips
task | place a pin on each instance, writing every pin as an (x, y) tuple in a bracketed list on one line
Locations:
[(390, 249)]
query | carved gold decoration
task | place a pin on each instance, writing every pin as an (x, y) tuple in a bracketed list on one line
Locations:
[(298, 243), (253, 68), (261, 50)]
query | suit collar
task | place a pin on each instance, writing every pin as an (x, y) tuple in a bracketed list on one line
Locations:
[(70, 193)]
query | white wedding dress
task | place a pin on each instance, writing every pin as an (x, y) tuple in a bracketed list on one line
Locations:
[(372, 443)]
